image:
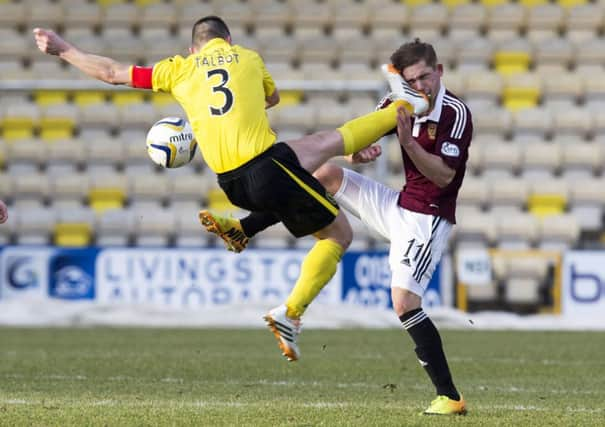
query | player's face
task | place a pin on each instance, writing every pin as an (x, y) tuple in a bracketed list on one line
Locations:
[(424, 79)]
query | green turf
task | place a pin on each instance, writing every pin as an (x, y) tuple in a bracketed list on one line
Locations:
[(212, 377)]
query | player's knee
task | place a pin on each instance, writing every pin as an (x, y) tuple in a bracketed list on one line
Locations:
[(330, 176), (404, 301)]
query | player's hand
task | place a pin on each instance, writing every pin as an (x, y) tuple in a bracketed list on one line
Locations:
[(366, 155), (404, 127), (49, 42), (3, 212)]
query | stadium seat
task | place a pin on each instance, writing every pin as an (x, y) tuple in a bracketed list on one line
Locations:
[(188, 231), (34, 226), (241, 14), (547, 196), (521, 91), (104, 151), (562, 90), (475, 227), (115, 228), (301, 117), (107, 191), (587, 201), (516, 230), (13, 14), (583, 22), (484, 86), (541, 159), (501, 159), (495, 122), (120, 15), (428, 20), (140, 116), (533, 123), (158, 14), (466, 21), (19, 121), (6, 187), (505, 21), (590, 54), (311, 14), (81, 15), (553, 54), (69, 189), (522, 290), (581, 159), (473, 192), (576, 122), (273, 14), (507, 194), (148, 188), (154, 228), (559, 232), (58, 122), (85, 98), (65, 156), (26, 155), (508, 62), (188, 188), (74, 227), (544, 21)]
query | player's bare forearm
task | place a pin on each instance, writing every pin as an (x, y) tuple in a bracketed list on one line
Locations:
[(99, 67), (272, 100), (96, 66), (430, 165)]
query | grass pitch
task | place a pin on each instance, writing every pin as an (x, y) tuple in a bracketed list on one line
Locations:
[(215, 377)]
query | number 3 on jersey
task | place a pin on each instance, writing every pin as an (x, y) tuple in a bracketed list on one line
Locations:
[(223, 89)]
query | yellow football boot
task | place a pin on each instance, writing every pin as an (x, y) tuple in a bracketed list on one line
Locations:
[(443, 405), (228, 229)]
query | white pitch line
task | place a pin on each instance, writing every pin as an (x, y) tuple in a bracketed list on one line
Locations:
[(314, 405)]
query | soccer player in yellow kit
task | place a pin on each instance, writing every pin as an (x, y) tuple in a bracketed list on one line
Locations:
[(224, 90)]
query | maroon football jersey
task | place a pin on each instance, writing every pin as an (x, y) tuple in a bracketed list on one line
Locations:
[(445, 132)]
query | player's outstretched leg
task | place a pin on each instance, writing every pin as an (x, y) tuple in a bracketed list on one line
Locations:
[(401, 90), (228, 229), (286, 331), (443, 405)]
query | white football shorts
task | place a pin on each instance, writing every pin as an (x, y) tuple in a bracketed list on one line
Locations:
[(417, 239)]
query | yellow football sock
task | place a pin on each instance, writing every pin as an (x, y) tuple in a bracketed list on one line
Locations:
[(317, 269), (369, 128)]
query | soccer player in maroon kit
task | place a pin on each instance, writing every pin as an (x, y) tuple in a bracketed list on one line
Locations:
[(417, 220)]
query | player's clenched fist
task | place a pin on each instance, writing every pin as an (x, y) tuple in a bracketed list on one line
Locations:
[(3, 212), (49, 42)]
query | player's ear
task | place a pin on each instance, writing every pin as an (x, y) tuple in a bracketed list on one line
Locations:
[(191, 50), (229, 39)]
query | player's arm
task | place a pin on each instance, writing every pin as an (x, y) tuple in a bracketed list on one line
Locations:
[(272, 99), (99, 67), (430, 165), (365, 155)]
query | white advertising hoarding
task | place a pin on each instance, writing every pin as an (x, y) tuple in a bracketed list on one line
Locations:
[(584, 284)]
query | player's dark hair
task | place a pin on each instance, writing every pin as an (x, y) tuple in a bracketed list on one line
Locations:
[(412, 52), (208, 28)]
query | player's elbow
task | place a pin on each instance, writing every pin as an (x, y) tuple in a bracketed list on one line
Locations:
[(110, 76), (444, 179), (273, 99)]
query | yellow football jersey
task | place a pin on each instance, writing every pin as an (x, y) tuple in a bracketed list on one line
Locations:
[(222, 89)]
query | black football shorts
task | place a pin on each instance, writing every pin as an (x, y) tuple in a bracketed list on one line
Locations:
[(275, 182)]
